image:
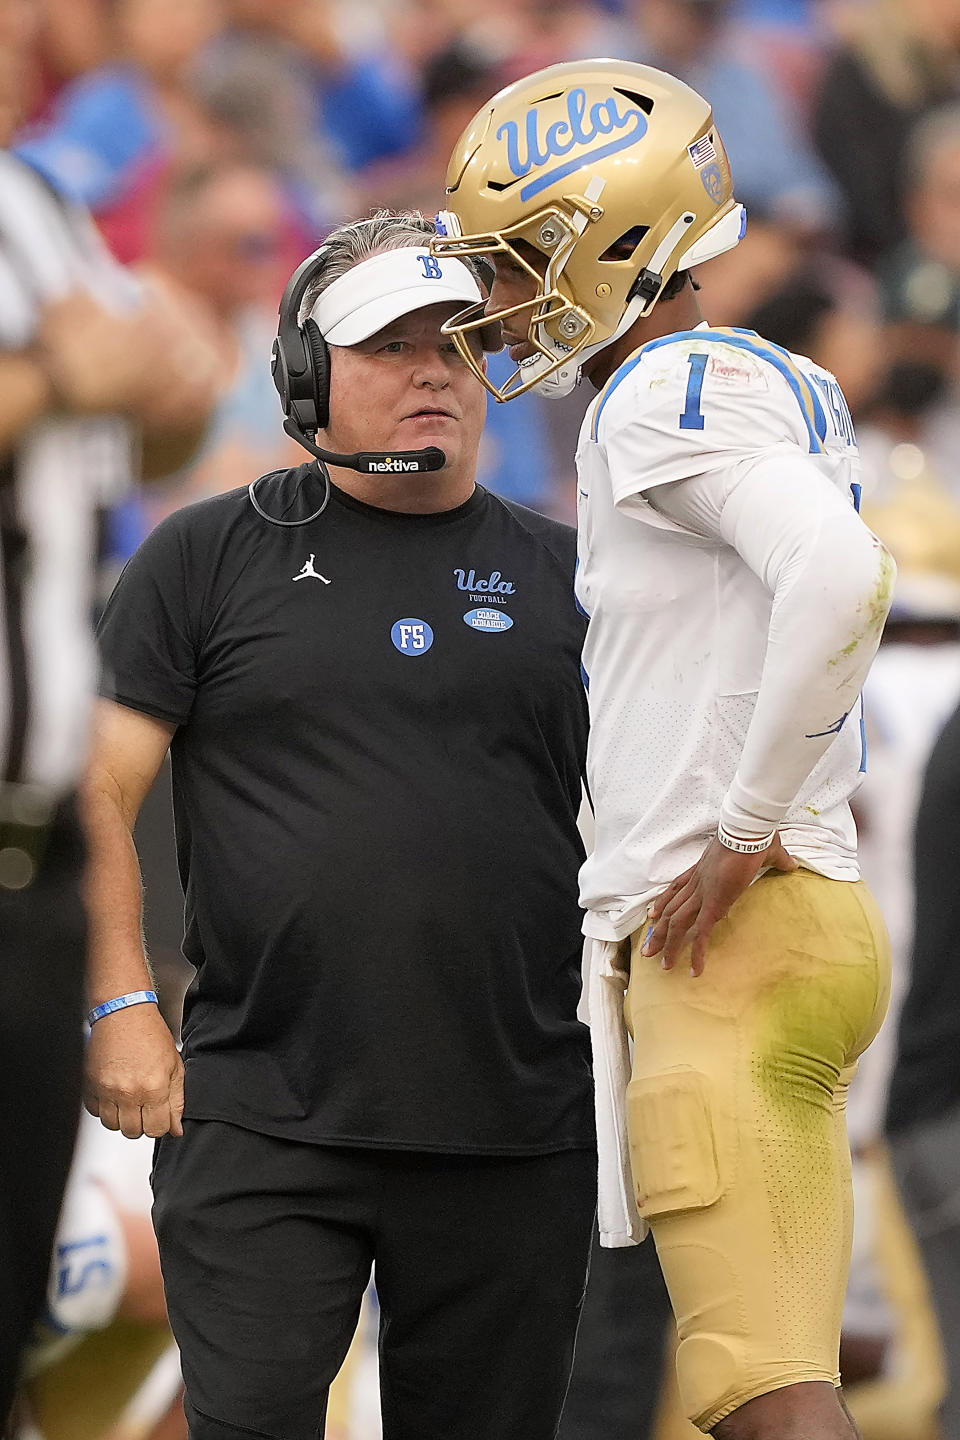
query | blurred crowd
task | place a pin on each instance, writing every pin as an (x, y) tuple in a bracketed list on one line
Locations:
[(216, 141)]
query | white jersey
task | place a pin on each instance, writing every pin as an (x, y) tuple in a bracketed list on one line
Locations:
[(679, 623)]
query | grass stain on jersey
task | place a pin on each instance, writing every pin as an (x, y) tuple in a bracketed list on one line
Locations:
[(877, 607)]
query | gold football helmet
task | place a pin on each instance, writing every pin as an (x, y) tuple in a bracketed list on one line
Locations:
[(616, 174)]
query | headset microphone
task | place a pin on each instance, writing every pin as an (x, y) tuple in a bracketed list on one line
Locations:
[(372, 462)]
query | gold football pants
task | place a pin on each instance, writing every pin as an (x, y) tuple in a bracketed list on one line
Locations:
[(738, 1134)]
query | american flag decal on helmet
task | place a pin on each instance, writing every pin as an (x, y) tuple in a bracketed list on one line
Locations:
[(702, 151)]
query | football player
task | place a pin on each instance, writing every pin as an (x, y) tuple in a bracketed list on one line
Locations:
[(735, 601)]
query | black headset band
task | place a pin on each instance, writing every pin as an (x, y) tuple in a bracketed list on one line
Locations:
[(297, 286)]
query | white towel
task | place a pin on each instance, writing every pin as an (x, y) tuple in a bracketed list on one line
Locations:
[(605, 985)]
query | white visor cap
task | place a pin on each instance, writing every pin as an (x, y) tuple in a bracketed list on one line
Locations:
[(393, 283)]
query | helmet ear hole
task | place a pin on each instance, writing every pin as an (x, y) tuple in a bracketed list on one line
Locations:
[(320, 365), (624, 246)]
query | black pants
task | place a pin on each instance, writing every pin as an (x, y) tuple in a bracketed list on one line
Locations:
[(926, 1161), (621, 1348), (480, 1266), (42, 949)]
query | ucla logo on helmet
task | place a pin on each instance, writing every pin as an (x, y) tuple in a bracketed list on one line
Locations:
[(611, 116)]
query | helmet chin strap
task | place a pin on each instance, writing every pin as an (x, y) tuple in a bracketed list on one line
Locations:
[(722, 236), (565, 378)]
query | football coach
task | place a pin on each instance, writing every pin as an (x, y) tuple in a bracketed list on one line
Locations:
[(367, 671)]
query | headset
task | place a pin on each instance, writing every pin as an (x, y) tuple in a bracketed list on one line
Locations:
[(300, 366)]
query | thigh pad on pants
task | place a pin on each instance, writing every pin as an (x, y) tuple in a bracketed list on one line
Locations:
[(674, 1151), (699, 1181), (676, 1156)]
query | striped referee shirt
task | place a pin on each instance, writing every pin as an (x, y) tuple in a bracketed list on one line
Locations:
[(53, 484)]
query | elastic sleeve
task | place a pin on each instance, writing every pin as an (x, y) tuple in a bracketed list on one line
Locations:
[(832, 583), (148, 631)]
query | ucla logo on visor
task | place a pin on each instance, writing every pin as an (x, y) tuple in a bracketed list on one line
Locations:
[(431, 267), (534, 149)]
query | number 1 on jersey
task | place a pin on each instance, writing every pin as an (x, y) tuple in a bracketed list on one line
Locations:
[(692, 419)]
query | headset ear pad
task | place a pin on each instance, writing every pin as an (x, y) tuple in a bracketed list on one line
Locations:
[(281, 379), (320, 364)]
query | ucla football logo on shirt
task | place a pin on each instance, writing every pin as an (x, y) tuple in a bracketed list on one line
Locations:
[(492, 584), (486, 591)]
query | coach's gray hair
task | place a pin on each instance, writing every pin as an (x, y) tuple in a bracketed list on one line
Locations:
[(349, 244)]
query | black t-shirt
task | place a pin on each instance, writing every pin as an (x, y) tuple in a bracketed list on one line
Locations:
[(376, 779), (926, 1077)]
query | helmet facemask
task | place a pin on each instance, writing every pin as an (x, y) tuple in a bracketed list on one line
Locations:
[(558, 329)]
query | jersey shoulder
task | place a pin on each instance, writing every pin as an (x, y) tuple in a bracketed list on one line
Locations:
[(713, 390)]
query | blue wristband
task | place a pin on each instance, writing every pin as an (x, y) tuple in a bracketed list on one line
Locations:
[(136, 997)]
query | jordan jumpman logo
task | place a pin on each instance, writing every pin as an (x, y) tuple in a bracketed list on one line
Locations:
[(309, 573)]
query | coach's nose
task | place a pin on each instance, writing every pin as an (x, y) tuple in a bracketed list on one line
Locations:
[(431, 367)]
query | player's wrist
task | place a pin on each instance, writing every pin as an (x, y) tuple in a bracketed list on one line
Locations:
[(748, 816), (745, 844)]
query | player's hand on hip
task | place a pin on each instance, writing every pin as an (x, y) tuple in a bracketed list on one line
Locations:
[(687, 910), (134, 1074)]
